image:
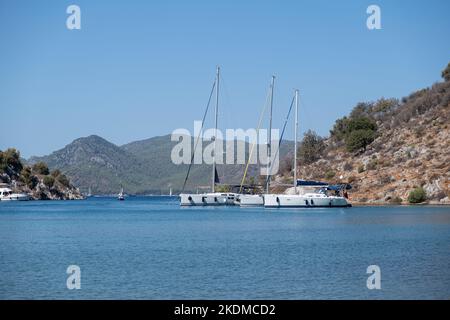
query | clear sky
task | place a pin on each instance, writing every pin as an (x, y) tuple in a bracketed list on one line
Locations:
[(137, 69)]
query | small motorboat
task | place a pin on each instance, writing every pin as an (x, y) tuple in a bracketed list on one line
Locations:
[(6, 194)]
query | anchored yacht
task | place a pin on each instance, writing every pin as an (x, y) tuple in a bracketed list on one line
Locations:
[(307, 193), (6, 194), (213, 198)]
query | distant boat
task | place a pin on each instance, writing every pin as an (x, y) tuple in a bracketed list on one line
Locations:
[(170, 192), (6, 194), (121, 195), (89, 193)]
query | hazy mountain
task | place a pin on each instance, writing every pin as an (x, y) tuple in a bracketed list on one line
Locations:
[(141, 167)]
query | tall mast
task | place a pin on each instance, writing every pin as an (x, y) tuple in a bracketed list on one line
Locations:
[(269, 145), (213, 185), (295, 141)]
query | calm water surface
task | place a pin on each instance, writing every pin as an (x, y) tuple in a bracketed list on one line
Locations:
[(150, 248)]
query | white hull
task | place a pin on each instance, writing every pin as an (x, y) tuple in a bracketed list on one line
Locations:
[(250, 200), (306, 201), (207, 199), (16, 197)]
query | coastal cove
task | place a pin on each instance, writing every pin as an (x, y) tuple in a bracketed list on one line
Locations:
[(151, 248)]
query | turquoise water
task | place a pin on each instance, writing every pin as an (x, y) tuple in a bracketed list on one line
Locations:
[(150, 248)]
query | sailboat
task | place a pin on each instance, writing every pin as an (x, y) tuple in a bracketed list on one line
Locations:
[(252, 200), (89, 193), (212, 198), (311, 193), (121, 195)]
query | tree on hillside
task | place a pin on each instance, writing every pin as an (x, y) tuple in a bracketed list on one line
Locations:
[(362, 109), (311, 148), (10, 161), (28, 178), (359, 139), (362, 123), (49, 181), (340, 129), (446, 73), (62, 178), (41, 168), (357, 132)]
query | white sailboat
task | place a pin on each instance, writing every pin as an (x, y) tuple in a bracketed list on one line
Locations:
[(213, 198), (121, 195), (308, 196), (255, 200)]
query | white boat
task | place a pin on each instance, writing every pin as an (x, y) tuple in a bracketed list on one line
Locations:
[(309, 195), (121, 195), (257, 200), (208, 199), (307, 200), (250, 200), (6, 194), (213, 198)]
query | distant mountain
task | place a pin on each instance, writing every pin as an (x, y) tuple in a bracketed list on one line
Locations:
[(142, 167)]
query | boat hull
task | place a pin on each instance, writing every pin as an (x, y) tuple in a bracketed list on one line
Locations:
[(208, 199), (16, 197), (250, 200), (300, 201)]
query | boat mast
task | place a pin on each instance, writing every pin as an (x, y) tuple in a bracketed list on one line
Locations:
[(213, 185), (295, 140), (269, 145)]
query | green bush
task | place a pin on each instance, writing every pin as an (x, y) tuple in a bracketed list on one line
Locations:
[(28, 178), (330, 174), (41, 168), (417, 195), (62, 178), (362, 123), (49, 181), (359, 139), (10, 161), (311, 148)]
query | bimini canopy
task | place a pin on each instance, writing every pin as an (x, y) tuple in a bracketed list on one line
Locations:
[(338, 187), (311, 183)]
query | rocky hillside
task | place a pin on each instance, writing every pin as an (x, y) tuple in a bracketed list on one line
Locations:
[(36, 180), (388, 148)]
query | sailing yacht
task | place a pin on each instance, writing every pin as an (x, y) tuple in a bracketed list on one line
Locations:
[(121, 195), (310, 194), (212, 198), (255, 200)]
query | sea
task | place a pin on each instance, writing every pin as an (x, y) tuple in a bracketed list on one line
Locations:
[(151, 248)]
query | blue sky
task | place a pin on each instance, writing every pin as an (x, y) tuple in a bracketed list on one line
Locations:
[(138, 69)]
